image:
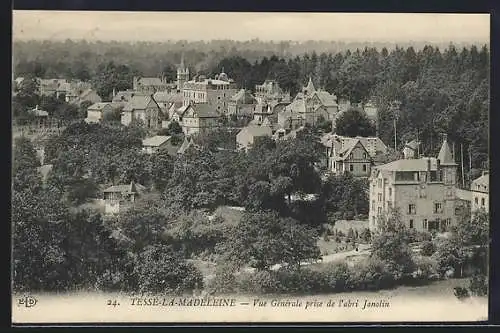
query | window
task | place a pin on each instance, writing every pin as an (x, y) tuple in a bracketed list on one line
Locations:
[(438, 208), (476, 200), (364, 167), (373, 205), (351, 167), (380, 197), (424, 224), (390, 191), (412, 209), (379, 210), (350, 156), (482, 202), (364, 155), (411, 224), (389, 204)]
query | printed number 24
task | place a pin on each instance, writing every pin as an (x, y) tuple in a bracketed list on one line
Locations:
[(112, 302)]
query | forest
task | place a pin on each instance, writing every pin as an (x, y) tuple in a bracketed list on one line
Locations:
[(438, 91)]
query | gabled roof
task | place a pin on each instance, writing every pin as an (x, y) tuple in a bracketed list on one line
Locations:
[(188, 143), (244, 97), (483, 180), (130, 188), (162, 96), (413, 144), (98, 106), (326, 99), (203, 111), (155, 141), (138, 102), (297, 106), (445, 156)]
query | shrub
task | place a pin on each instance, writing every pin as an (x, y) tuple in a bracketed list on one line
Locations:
[(336, 276), (301, 281), (259, 282), (419, 236), (478, 285), (224, 281), (370, 274), (428, 248), (160, 270), (425, 269), (365, 235)]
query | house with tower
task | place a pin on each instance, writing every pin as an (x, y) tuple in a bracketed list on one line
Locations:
[(182, 75), (422, 189)]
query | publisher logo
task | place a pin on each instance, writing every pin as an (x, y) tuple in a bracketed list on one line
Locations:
[(27, 301)]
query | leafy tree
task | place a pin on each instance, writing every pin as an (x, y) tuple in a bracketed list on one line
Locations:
[(390, 244), (162, 166), (263, 239), (160, 270), (354, 122)]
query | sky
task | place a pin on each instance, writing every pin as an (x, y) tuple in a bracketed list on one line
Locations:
[(158, 26)]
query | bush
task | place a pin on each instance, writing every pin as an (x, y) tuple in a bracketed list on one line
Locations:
[(428, 248), (160, 270), (425, 269), (419, 236), (365, 235), (336, 277), (370, 274), (478, 285), (259, 282), (224, 281), (301, 281)]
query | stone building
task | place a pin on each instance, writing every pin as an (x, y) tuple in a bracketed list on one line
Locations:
[(215, 92), (197, 118), (353, 155), (270, 91), (119, 197), (423, 191), (480, 189), (142, 108), (242, 104)]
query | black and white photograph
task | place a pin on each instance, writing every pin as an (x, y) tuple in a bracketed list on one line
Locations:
[(228, 167)]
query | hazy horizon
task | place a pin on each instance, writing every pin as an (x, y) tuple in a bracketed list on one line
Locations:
[(277, 27)]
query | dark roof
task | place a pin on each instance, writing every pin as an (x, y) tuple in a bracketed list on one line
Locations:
[(445, 156), (139, 102), (130, 188), (204, 111)]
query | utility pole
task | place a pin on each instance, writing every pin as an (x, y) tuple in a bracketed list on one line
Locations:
[(462, 160), (418, 144), (395, 109), (470, 161)]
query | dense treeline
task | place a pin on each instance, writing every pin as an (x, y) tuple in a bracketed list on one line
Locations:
[(439, 91)]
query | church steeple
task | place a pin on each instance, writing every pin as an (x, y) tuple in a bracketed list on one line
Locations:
[(182, 74)]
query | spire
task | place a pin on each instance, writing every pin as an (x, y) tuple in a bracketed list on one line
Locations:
[(181, 66), (310, 86), (445, 156), (132, 187)]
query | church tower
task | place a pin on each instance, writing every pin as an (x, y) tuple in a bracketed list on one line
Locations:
[(182, 74)]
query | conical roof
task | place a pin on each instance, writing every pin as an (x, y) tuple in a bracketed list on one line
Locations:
[(310, 86), (445, 156), (132, 187)]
